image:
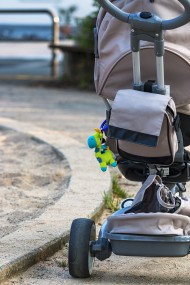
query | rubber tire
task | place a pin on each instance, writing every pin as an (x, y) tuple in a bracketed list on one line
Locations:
[(82, 232)]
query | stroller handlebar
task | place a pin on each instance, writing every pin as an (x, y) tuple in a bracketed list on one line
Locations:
[(164, 24)]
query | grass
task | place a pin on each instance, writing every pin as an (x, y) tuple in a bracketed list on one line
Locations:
[(113, 199), (116, 188), (61, 263), (110, 202)]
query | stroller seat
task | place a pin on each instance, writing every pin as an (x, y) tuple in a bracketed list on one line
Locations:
[(135, 171)]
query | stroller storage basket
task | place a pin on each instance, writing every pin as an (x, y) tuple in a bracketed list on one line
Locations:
[(144, 245), (156, 246)]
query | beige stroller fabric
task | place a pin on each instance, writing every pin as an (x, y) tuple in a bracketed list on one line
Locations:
[(162, 196), (113, 67), (150, 213), (156, 137), (149, 224), (184, 208), (131, 106)]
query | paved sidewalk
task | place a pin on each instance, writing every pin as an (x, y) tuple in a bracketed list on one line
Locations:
[(62, 119)]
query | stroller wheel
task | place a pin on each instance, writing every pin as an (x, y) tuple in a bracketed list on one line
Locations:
[(126, 203), (80, 259)]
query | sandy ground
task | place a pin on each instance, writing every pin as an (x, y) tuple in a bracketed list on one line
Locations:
[(63, 111), (33, 177)]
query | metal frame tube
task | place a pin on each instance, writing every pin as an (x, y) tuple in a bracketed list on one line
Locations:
[(160, 72), (179, 21), (55, 29), (107, 104), (136, 68)]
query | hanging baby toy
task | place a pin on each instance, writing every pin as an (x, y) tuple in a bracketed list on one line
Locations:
[(102, 152)]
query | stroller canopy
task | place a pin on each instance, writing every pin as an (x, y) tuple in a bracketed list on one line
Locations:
[(113, 66)]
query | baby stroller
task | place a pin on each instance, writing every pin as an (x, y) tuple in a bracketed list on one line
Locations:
[(143, 129)]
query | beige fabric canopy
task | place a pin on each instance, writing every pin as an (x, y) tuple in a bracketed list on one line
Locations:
[(113, 68)]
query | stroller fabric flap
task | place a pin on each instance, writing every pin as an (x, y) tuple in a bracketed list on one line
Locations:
[(144, 126), (137, 116), (153, 196), (154, 211), (149, 224)]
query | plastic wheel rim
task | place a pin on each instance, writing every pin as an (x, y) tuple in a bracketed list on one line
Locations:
[(126, 203), (90, 261)]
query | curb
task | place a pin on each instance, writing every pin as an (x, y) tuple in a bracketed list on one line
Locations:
[(37, 239)]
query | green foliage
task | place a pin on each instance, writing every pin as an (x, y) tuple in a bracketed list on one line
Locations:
[(113, 199), (110, 202), (117, 190), (85, 37), (67, 14), (95, 3), (81, 64), (97, 6), (62, 263)]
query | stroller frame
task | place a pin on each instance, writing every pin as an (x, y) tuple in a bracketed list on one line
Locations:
[(83, 246)]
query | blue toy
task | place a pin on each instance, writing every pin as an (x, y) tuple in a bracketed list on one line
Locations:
[(102, 152)]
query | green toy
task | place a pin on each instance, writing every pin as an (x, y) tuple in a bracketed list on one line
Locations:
[(102, 152)]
